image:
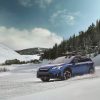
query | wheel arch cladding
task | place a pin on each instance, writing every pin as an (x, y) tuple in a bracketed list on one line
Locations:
[(69, 69)]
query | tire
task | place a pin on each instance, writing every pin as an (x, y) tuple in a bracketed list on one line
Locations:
[(45, 79), (91, 71), (67, 74)]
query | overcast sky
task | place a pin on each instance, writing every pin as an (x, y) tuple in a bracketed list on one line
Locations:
[(42, 23)]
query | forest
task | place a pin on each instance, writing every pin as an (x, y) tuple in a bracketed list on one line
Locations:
[(86, 42)]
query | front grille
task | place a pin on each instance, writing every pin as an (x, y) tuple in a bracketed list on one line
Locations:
[(43, 74), (43, 70)]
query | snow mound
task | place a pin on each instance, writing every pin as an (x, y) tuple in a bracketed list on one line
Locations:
[(96, 60), (8, 54), (30, 57)]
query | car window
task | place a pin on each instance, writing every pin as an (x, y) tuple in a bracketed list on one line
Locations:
[(58, 60), (84, 59), (79, 59), (63, 59), (75, 60)]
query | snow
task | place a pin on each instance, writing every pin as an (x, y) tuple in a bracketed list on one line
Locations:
[(8, 54), (97, 60), (20, 83), (81, 90), (30, 57), (4, 74)]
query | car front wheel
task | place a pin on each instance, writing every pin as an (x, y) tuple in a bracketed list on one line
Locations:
[(67, 74)]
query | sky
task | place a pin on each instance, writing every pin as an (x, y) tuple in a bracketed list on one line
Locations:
[(42, 23)]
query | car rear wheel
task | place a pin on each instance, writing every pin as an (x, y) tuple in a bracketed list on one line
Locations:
[(45, 79), (91, 71), (67, 74)]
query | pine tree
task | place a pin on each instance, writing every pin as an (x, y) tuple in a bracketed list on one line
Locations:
[(87, 42)]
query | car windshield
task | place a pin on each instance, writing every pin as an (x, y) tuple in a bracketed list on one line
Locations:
[(63, 59)]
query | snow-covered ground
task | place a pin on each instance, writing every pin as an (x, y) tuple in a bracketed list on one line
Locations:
[(87, 89), (9, 54), (20, 83)]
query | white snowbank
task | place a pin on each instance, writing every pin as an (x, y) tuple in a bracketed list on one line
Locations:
[(2, 74), (96, 60), (8, 68), (9, 54), (31, 57)]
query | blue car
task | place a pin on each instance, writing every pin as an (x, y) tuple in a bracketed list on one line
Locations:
[(66, 67)]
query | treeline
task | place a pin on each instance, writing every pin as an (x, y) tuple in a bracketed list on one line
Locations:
[(86, 42), (16, 61)]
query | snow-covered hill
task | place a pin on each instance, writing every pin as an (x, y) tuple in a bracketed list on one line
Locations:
[(8, 54)]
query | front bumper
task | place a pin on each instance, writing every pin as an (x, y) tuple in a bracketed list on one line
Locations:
[(48, 74)]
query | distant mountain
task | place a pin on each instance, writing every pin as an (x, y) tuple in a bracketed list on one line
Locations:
[(31, 51)]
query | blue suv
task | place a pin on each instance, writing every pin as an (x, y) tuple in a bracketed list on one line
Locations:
[(65, 67)]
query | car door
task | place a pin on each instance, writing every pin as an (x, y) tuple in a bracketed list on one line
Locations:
[(79, 67), (86, 63)]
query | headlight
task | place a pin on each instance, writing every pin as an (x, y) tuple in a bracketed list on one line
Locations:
[(58, 67), (54, 68)]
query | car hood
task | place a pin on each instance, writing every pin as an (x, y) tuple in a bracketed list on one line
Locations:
[(49, 66)]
